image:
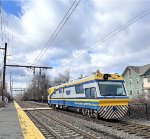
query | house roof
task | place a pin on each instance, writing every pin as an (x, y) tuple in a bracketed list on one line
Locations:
[(141, 70), (135, 68), (144, 69)]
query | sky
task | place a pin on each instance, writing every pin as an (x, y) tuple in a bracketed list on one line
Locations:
[(27, 25)]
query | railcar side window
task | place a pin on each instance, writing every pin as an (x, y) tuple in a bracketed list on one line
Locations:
[(79, 89), (93, 91), (90, 92), (87, 92), (61, 90), (68, 92), (57, 91)]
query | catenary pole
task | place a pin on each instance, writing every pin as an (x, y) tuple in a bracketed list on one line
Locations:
[(4, 71)]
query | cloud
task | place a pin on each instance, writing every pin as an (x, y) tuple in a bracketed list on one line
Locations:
[(90, 22)]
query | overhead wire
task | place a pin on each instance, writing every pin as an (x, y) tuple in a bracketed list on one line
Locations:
[(55, 33), (108, 36), (58, 29)]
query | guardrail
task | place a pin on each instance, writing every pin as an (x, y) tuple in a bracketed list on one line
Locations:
[(139, 110)]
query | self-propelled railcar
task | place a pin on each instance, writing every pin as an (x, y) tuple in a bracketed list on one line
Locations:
[(101, 95)]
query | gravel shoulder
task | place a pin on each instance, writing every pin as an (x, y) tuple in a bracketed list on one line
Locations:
[(94, 128), (138, 121)]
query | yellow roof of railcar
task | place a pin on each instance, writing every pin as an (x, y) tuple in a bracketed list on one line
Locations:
[(97, 76)]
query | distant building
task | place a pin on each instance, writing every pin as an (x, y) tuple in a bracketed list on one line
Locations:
[(137, 80)]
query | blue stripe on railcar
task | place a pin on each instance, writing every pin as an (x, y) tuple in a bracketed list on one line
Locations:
[(79, 104)]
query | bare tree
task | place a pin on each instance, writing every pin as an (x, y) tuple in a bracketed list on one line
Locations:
[(63, 78), (37, 90)]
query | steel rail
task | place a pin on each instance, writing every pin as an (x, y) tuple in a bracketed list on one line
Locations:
[(88, 135)]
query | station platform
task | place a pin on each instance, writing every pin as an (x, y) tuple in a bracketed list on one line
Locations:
[(9, 123), (15, 124)]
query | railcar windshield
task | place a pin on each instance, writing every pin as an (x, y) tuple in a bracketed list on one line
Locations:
[(112, 89)]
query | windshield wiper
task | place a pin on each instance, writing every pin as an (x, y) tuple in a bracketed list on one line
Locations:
[(119, 95), (109, 95)]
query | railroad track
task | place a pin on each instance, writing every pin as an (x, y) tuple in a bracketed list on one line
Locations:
[(139, 130), (27, 104), (52, 127), (128, 127)]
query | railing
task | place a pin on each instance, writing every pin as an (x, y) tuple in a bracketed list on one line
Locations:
[(139, 110)]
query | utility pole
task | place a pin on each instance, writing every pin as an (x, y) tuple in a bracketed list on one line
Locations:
[(25, 66), (4, 70)]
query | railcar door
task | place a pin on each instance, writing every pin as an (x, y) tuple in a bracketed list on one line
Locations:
[(90, 92)]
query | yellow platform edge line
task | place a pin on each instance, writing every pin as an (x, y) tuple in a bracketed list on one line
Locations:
[(30, 131)]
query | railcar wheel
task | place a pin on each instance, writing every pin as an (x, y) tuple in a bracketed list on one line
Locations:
[(61, 107), (90, 113), (96, 115), (78, 110), (49, 105), (53, 106), (83, 112), (64, 107)]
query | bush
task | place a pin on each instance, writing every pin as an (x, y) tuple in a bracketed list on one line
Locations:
[(143, 98)]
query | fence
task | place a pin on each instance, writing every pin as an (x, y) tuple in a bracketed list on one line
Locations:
[(139, 110)]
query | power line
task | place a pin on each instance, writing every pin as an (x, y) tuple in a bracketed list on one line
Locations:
[(58, 29), (54, 35), (110, 35)]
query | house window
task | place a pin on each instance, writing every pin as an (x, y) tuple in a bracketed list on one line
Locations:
[(138, 91), (137, 81), (130, 92), (79, 89), (130, 81)]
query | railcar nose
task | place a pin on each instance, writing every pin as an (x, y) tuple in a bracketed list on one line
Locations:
[(113, 112), (114, 108)]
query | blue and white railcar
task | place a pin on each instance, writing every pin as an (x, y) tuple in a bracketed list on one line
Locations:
[(101, 95)]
